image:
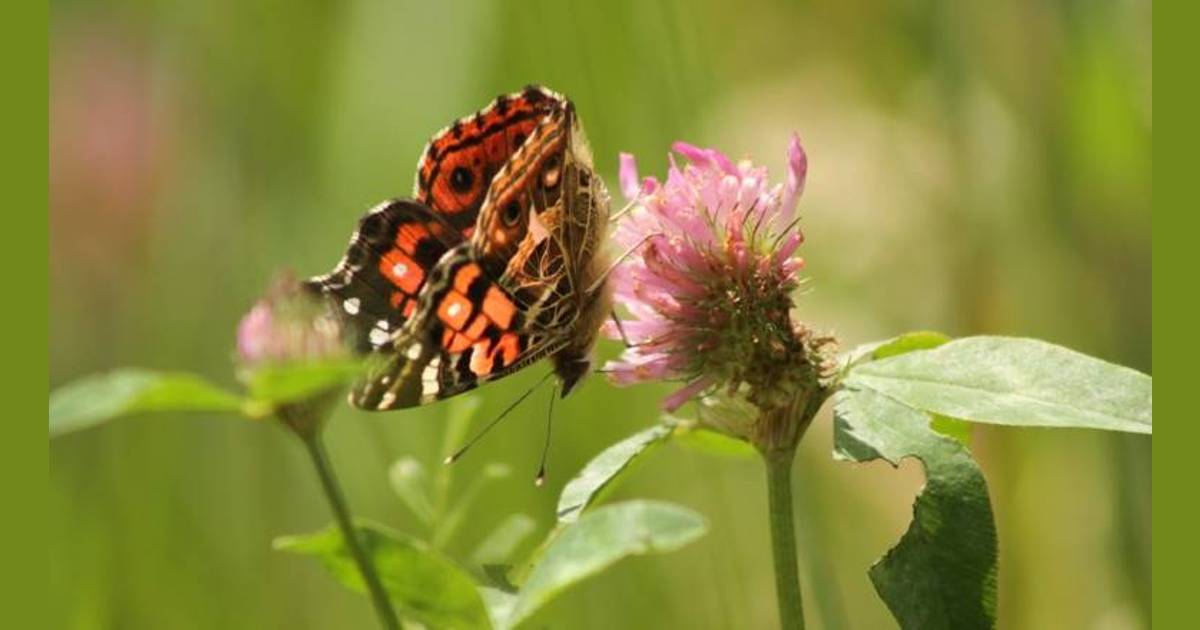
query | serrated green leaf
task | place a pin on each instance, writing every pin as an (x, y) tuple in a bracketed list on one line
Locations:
[(942, 573), (281, 383), (1013, 381), (424, 585), (102, 397), (598, 539), (604, 470)]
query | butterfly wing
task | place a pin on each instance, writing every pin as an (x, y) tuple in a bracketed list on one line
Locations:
[(479, 316), (456, 169), (468, 330), (376, 285)]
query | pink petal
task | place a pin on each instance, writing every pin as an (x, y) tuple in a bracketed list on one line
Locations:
[(649, 186), (676, 400), (797, 173), (788, 247), (693, 153), (254, 333), (629, 176), (723, 162), (636, 367)]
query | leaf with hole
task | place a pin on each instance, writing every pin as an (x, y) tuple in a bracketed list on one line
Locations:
[(942, 573)]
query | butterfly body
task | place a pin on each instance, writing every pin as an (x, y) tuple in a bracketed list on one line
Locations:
[(495, 265)]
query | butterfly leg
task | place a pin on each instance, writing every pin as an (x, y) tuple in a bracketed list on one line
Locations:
[(621, 329)]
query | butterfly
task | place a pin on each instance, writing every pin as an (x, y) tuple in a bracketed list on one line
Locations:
[(494, 264)]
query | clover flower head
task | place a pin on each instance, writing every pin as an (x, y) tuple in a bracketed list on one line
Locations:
[(287, 325), (710, 283)]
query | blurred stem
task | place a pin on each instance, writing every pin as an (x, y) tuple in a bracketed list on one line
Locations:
[(783, 538), (341, 512)]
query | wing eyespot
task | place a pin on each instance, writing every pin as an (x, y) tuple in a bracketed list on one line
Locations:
[(511, 214), (461, 179)]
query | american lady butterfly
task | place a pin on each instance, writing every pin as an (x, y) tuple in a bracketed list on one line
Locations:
[(494, 265)]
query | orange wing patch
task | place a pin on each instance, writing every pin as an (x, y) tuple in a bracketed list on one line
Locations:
[(499, 308), (477, 328), (402, 271), (465, 276), (454, 310), (409, 235), (455, 342), (487, 358)]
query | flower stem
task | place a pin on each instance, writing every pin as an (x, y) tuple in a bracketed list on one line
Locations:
[(783, 538), (341, 512)]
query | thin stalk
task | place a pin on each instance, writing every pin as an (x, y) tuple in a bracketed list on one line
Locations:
[(341, 512), (783, 538)]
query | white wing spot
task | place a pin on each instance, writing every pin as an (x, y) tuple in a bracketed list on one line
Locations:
[(378, 337), (399, 269), (387, 400), (351, 305), (453, 309), (414, 352)]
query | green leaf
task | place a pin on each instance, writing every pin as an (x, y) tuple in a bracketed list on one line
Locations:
[(500, 545), (942, 573), (902, 344), (1013, 381), (597, 540), (289, 382), (952, 428), (408, 479), (424, 585), (102, 397), (711, 442), (603, 471), (499, 604)]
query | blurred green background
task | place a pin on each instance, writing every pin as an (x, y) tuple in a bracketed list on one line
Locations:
[(975, 168)]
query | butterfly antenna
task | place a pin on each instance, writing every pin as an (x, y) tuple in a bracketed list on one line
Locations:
[(453, 457), (541, 475)]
